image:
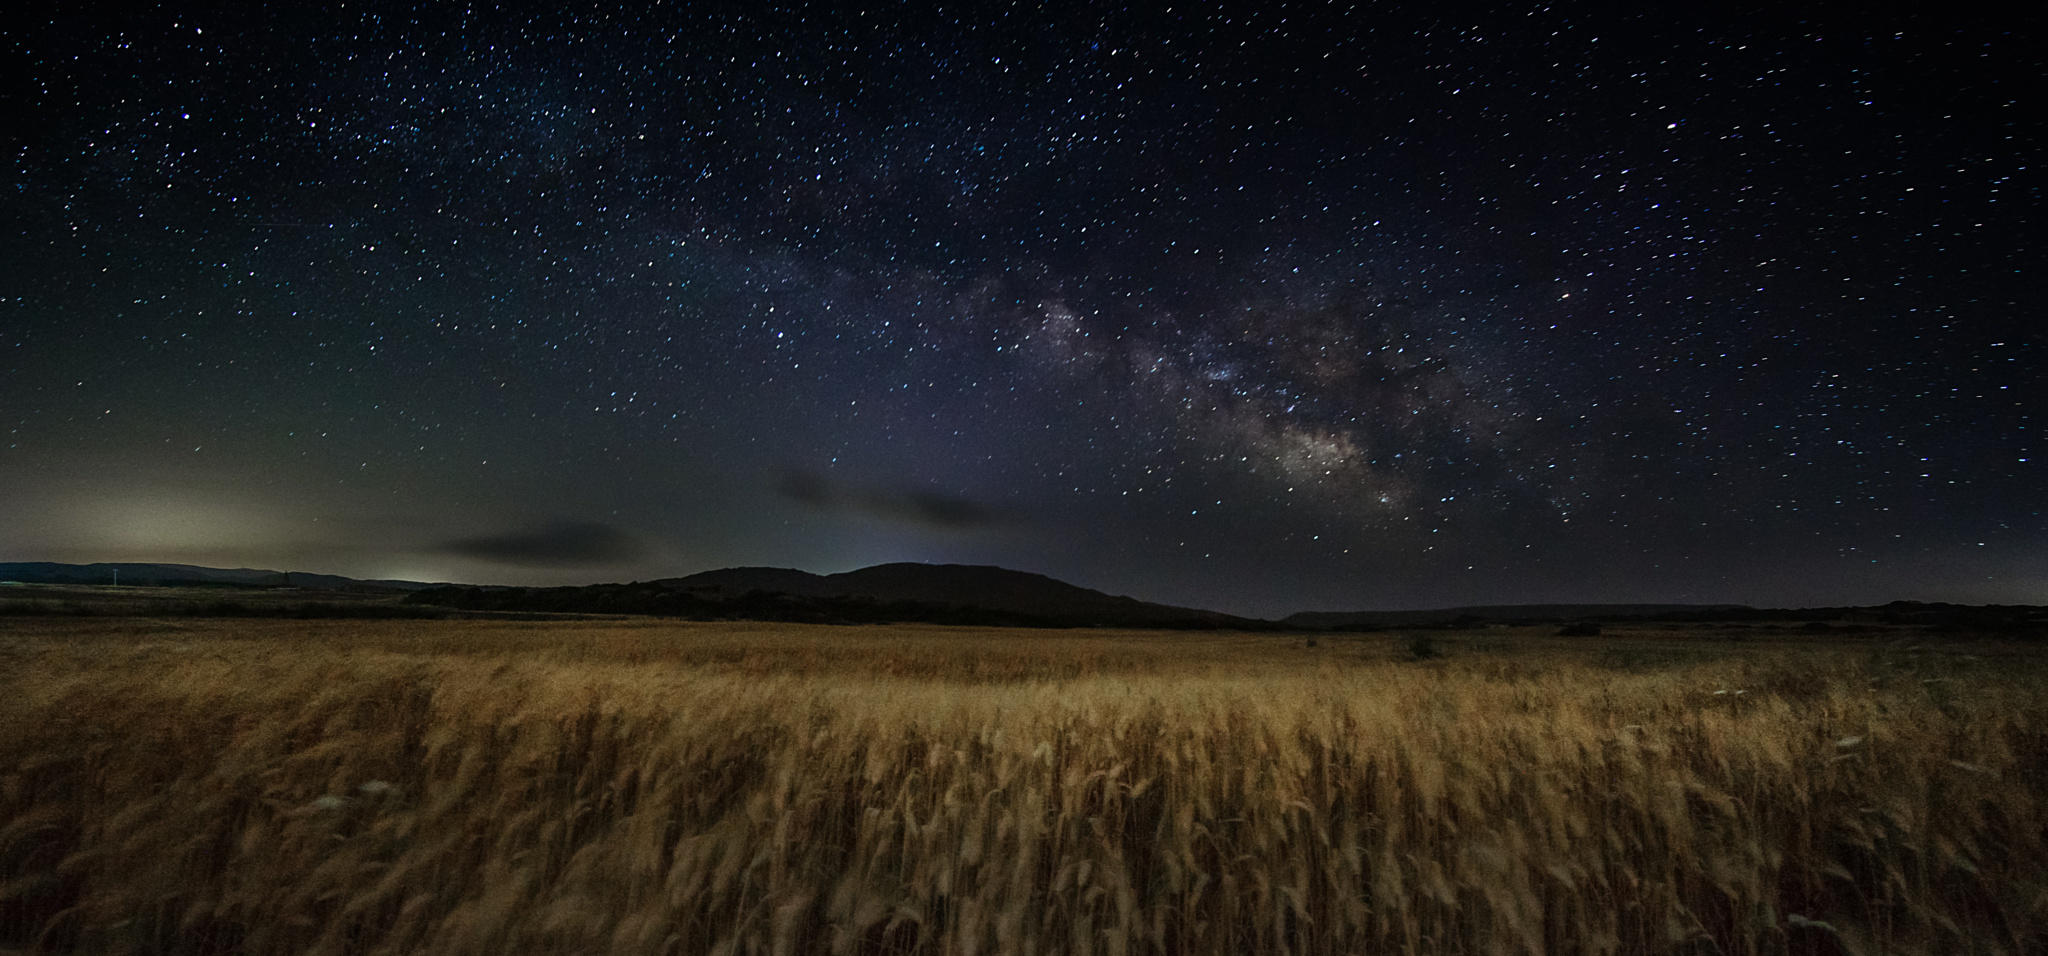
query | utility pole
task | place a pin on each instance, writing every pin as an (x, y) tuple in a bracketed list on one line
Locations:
[(117, 577)]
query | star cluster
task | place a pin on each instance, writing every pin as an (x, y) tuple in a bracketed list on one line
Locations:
[(1264, 307)]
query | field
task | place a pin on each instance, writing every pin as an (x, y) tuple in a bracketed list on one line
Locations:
[(203, 785)]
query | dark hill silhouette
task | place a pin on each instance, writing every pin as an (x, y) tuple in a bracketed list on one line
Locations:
[(734, 582), (936, 593), (1508, 614), (1990, 618), (187, 575)]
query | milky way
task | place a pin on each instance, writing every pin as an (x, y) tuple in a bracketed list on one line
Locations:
[(1261, 308)]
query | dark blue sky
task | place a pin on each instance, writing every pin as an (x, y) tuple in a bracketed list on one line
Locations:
[(1245, 306)]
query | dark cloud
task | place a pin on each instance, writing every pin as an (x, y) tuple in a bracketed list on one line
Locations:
[(562, 544), (808, 487), (912, 506), (930, 507)]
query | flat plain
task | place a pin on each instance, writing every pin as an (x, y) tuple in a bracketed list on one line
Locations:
[(204, 785)]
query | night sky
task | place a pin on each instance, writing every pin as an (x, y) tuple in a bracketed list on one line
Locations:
[(1241, 306)]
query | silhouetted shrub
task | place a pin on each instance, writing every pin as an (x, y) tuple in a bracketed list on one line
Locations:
[(1579, 629)]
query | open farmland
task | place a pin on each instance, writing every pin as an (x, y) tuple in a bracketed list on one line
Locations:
[(265, 786)]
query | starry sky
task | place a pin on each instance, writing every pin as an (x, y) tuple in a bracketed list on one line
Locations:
[(1247, 306)]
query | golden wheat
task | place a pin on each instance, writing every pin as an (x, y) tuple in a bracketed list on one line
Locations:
[(466, 787)]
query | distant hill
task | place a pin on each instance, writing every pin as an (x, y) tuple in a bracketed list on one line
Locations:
[(1994, 618), (936, 593), (964, 594), (1508, 614), (186, 575)]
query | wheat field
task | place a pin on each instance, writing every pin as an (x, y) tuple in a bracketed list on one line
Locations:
[(252, 786)]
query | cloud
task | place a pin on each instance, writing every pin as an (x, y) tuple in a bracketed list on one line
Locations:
[(562, 544), (808, 487), (930, 507), (911, 506)]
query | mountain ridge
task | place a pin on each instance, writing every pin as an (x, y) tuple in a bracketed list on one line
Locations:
[(965, 594), (903, 591), (143, 573), (1501, 613)]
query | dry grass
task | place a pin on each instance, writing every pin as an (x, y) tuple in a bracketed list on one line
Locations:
[(464, 787)]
